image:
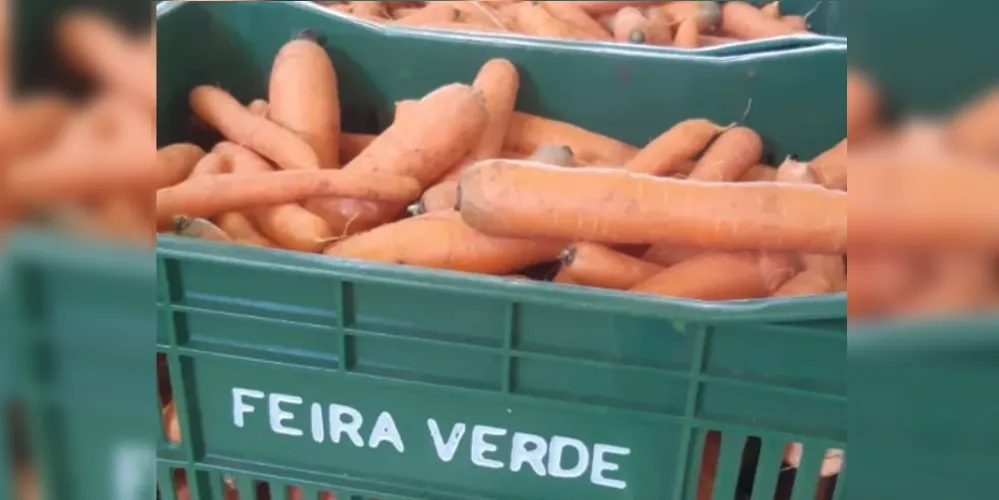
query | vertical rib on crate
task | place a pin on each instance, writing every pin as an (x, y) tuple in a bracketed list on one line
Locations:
[(729, 464), (806, 479), (684, 485), (7, 458), (344, 319), (840, 493), (768, 468)]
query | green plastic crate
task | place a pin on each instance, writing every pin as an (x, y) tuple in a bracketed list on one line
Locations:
[(530, 361)]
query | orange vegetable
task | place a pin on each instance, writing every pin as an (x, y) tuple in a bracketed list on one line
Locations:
[(591, 264), (711, 41), (531, 18), (730, 156), (597, 8), (259, 107), (303, 96), (706, 15), (683, 141), (423, 145), (743, 20), (212, 195), (498, 81), (830, 168), (772, 9), (722, 276), (198, 228), (351, 145), (171, 426), (434, 12), (687, 35), (807, 282), (799, 24), (456, 246), (224, 113), (528, 132), (795, 171), (368, 9), (974, 128), (862, 106), (483, 15), (529, 200), (758, 173), (630, 26), (288, 224), (564, 277), (30, 124), (175, 162), (659, 30), (125, 216), (668, 255), (881, 282), (463, 26), (211, 164), (574, 15), (241, 230)]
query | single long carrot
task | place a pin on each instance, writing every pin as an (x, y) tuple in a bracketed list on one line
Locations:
[(527, 132), (743, 20), (423, 144), (683, 141), (351, 145), (530, 18), (706, 15), (830, 167), (175, 162), (456, 246), (722, 276), (862, 106), (212, 195), (462, 26), (224, 113), (434, 12), (973, 128), (498, 81), (630, 25), (289, 224), (659, 30), (687, 35), (574, 15), (669, 255), (521, 199), (303, 96), (730, 156), (241, 229), (592, 264)]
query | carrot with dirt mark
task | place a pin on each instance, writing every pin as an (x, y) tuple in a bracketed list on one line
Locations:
[(531, 18), (574, 15), (241, 229), (224, 113), (718, 276), (743, 20), (830, 167), (521, 199), (498, 81), (630, 25), (351, 145), (705, 15), (175, 162), (198, 228), (434, 12), (683, 141), (730, 156), (527, 132), (592, 264)]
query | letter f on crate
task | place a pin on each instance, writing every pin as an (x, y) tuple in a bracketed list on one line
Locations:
[(239, 406)]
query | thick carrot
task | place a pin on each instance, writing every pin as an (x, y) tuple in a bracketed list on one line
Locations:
[(659, 31), (683, 141), (528, 132), (224, 113), (564, 277), (592, 264), (171, 425), (434, 12), (175, 162), (423, 144), (31, 124), (498, 81), (687, 35), (706, 15), (973, 129), (211, 164), (259, 107), (669, 255), (482, 14), (530, 18), (303, 96), (807, 282), (722, 276), (730, 156), (444, 195), (213, 195), (758, 173), (351, 145), (370, 9), (520, 199), (572, 14), (711, 40), (862, 106), (630, 25), (463, 26), (198, 228), (597, 8), (456, 246), (830, 168), (743, 20), (125, 216), (241, 229), (63, 176), (288, 224), (772, 9), (797, 23)]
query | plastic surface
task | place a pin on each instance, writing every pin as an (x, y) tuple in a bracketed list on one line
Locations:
[(508, 361)]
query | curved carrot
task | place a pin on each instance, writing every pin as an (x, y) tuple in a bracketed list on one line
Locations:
[(683, 141), (289, 224), (564, 277), (772, 9), (591, 264), (743, 20), (481, 14), (175, 162), (669, 255), (687, 35), (211, 164), (198, 228), (973, 129), (721, 276), (368, 9), (224, 113), (730, 156), (574, 15), (212, 195), (795, 171), (807, 282), (659, 30), (520, 199), (241, 230), (434, 12), (528, 132), (259, 107), (422, 144), (830, 168), (351, 145), (705, 15), (303, 96), (457, 246), (759, 173), (862, 106), (630, 25)]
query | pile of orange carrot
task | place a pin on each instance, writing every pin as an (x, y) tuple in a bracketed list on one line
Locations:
[(461, 181), (85, 163), (682, 24), (924, 220)]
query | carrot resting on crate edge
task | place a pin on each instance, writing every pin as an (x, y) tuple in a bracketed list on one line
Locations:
[(527, 132), (592, 264), (522, 199), (212, 195), (722, 276)]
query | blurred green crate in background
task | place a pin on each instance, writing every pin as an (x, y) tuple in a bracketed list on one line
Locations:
[(623, 386)]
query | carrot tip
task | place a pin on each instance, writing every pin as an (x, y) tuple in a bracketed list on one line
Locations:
[(310, 35), (636, 36), (416, 209), (181, 223), (567, 256)]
